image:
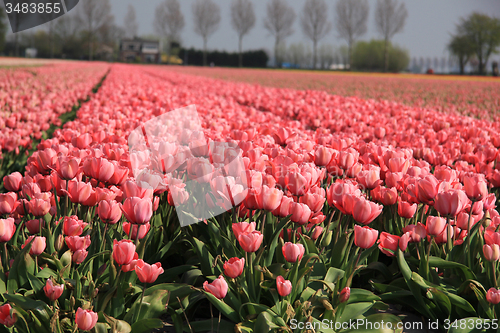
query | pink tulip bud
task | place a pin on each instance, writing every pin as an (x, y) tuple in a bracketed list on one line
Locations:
[(85, 319), (293, 252), (493, 296), (284, 286), (344, 295), (52, 291), (218, 287), (234, 267)]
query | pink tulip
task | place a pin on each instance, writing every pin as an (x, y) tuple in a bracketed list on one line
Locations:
[(123, 251), (147, 273), (365, 211), (475, 186), (388, 244), (270, 198), (344, 295), (137, 210), (435, 225), (138, 230), (218, 287), (251, 241), (76, 243), (365, 237), (242, 228), (12, 182), (451, 202), (406, 209), (8, 203), (7, 316), (293, 252), (284, 286), (491, 252), (85, 319), (234, 267), (7, 229), (38, 245), (52, 291), (73, 226), (109, 211)]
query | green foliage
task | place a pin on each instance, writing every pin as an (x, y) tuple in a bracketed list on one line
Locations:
[(480, 34), (370, 56), (257, 58)]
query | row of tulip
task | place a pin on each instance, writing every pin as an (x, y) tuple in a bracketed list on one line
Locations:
[(33, 99), (471, 96), (305, 225)]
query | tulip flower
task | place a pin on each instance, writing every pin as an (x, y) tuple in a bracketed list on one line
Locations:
[(38, 245), (493, 296), (39, 207), (33, 226), (137, 210), (251, 241), (388, 244), (300, 213), (435, 225), (138, 230), (475, 186), (242, 228), (344, 295), (365, 211), (123, 251), (293, 252), (491, 252), (52, 291), (8, 203), (72, 226), (365, 237), (76, 243), (451, 202), (6, 318), (218, 287), (284, 286), (13, 181), (417, 232), (234, 267), (79, 256), (85, 319), (7, 229), (270, 198), (147, 273), (406, 209)]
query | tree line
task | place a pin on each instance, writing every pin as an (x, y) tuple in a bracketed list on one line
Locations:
[(476, 37)]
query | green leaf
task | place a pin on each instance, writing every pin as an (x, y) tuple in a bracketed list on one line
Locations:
[(274, 241), (25, 303), (441, 263), (146, 325), (226, 310), (334, 275), (360, 295), (264, 323), (414, 288), (353, 310)]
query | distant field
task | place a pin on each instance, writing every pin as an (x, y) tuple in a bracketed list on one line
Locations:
[(17, 62), (468, 95)]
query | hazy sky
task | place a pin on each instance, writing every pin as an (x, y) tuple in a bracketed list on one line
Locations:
[(426, 33)]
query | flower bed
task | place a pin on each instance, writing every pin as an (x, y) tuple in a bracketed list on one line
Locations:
[(330, 209)]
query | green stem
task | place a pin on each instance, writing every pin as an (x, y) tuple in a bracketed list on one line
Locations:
[(140, 304), (469, 259)]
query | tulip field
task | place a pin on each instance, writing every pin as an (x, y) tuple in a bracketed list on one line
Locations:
[(147, 199)]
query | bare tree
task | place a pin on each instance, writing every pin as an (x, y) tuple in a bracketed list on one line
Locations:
[(390, 18), (326, 54), (242, 19), (279, 21), (130, 22), (169, 22), (315, 24), (350, 21), (206, 15), (94, 14)]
